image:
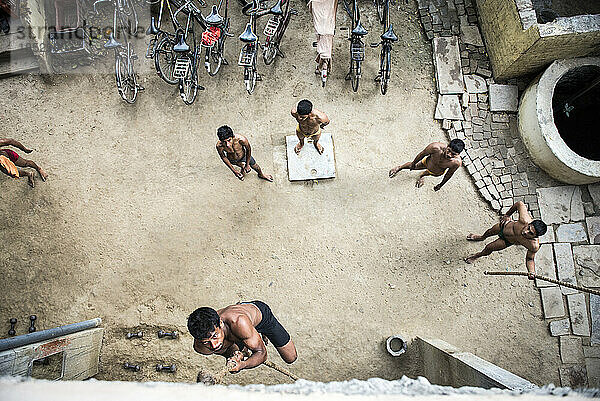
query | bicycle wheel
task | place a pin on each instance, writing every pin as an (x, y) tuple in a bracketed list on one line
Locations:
[(386, 57), (164, 60), (354, 74), (125, 76), (188, 86), (379, 4), (250, 75), (269, 52), (128, 9)]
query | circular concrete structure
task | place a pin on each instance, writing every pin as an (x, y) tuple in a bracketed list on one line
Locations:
[(559, 143)]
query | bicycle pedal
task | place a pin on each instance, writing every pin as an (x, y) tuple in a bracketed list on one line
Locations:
[(141, 88), (258, 77), (377, 78), (224, 61), (293, 11), (314, 44), (200, 87)]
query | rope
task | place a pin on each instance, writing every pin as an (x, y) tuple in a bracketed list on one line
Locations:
[(551, 280), (278, 368)]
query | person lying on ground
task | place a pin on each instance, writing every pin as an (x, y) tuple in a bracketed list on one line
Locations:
[(310, 123), (234, 149), (525, 231), (231, 331), (19, 161), (436, 159)]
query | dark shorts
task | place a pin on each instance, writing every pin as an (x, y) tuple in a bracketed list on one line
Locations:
[(12, 156), (243, 160), (270, 326)]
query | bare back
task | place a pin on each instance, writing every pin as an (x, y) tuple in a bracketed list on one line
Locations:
[(437, 161), (311, 123)]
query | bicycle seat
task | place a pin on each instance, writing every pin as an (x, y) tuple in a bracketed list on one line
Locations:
[(359, 30), (389, 35), (112, 42), (152, 29), (181, 46), (276, 9), (248, 36), (214, 18)]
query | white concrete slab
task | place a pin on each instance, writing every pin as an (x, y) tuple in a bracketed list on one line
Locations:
[(552, 301), (595, 315), (565, 266), (593, 226), (587, 265), (560, 327), (448, 107), (475, 84), (544, 265), (578, 314), (572, 232), (560, 204), (470, 34), (448, 72), (309, 164), (504, 97)]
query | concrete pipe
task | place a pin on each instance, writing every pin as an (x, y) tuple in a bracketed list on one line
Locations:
[(558, 120), (395, 345)]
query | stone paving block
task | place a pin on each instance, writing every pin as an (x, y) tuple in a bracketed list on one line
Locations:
[(572, 232), (571, 350), (448, 107), (504, 97), (500, 118), (446, 57), (552, 301), (574, 376), (578, 313), (593, 226), (565, 266), (470, 34), (544, 265), (594, 190), (591, 351), (560, 327), (475, 84), (592, 365), (587, 265), (560, 204), (548, 237), (595, 315)]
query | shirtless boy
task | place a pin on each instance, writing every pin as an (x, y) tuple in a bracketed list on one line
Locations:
[(525, 231), (436, 159), (310, 123), (234, 149), (19, 161), (236, 328)]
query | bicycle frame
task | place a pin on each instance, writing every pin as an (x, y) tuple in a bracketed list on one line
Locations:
[(357, 46), (388, 37)]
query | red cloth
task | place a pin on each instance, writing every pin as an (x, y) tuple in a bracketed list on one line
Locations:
[(13, 156), (211, 35)]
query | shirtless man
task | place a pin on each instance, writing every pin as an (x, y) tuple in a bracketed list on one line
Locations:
[(310, 123), (524, 231), (235, 149), (236, 328), (18, 161), (436, 159)]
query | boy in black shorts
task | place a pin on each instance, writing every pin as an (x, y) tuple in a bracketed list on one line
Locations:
[(235, 328)]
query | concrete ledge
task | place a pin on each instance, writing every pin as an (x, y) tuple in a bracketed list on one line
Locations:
[(445, 365)]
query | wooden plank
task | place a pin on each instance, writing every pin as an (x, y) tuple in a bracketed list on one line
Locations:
[(23, 361), (83, 355)]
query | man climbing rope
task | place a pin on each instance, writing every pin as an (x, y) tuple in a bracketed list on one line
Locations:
[(236, 328), (525, 231)]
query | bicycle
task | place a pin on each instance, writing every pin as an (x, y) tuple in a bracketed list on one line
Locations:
[(275, 29), (357, 46), (161, 45), (249, 51), (125, 74), (186, 59), (213, 39), (387, 39)]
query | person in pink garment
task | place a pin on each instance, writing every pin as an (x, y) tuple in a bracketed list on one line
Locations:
[(323, 13)]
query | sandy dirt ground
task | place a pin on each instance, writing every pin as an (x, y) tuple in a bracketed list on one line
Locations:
[(140, 222)]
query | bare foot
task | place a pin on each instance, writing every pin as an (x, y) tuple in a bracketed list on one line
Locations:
[(297, 148), (474, 237), (471, 259), (30, 178), (27, 150), (394, 171), (319, 148), (420, 182), (43, 174), (267, 177)]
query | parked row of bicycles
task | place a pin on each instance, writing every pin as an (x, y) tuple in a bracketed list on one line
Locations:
[(177, 49)]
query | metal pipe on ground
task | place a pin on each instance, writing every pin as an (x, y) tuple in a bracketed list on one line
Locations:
[(26, 339)]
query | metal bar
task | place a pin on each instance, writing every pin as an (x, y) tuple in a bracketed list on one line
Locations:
[(38, 336)]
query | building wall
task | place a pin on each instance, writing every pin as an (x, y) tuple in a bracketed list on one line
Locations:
[(514, 52), (33, 16)]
